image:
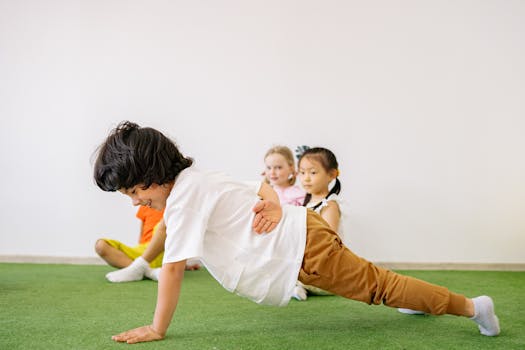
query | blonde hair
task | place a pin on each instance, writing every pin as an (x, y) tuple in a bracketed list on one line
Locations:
[(288, 156)]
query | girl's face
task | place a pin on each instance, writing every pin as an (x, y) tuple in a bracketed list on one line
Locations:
[(154, 196), (314, 178), (278, 171)]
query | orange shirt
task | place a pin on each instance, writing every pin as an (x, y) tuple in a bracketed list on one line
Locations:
[(149, 217)]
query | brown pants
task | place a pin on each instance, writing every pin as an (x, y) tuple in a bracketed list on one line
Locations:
[(329, 265)]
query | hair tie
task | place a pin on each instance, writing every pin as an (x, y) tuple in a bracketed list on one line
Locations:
[(300, 150)]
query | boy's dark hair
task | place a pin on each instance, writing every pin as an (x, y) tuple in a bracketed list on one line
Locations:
[(132, 155), (328, 161)]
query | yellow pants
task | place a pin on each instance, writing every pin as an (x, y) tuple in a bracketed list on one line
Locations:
[(331, 266), (134, 252)]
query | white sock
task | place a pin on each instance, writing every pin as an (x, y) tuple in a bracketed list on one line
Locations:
[(134, 272), (410, 311), (153, 274), (485, 317), (299, 292)]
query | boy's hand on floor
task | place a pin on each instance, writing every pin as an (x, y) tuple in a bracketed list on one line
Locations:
[(267, 216), (137, 335)]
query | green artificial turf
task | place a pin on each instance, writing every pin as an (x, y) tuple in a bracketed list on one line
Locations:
[(74, 307)]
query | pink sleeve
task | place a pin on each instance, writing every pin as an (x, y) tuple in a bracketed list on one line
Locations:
[(298, 196)]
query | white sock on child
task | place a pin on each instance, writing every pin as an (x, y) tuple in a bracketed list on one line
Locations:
[(134, 272), (485, 317), (153, 274), (410, 311), (299, 292)]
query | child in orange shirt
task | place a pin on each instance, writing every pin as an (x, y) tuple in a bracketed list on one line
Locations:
[(119, 255)]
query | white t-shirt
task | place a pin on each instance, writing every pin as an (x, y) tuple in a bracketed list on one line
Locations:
[(209, 216)]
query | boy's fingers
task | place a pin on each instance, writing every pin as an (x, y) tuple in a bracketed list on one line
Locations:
[(122, 337), (256, 220), (138, 339), (128, 336), (137, 335), (261, 227), (264, 226), (258, 207)]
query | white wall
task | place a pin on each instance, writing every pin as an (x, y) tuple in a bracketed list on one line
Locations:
[(422, 101)]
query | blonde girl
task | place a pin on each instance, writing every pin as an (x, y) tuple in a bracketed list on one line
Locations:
[(281, 175)]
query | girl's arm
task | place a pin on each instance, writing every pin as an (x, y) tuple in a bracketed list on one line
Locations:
[(332, 214), (168, 297)]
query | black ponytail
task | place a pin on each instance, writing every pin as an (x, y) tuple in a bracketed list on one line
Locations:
[(335, 189)]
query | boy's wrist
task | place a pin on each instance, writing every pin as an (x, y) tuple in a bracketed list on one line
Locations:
[(156, 332)]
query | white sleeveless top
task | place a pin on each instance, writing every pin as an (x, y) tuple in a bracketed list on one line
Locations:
[(324, 203)]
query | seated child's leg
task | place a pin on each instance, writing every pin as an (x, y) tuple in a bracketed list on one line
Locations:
[(113, 252), (133, 266), (328, 264)]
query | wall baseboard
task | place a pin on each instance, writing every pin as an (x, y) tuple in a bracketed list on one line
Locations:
[(37, 259), (452, 266), (389, 265)]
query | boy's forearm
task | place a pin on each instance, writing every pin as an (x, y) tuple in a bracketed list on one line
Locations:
[(169, 287)]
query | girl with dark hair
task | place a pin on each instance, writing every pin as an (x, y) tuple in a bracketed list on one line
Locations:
[(318, 168)]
